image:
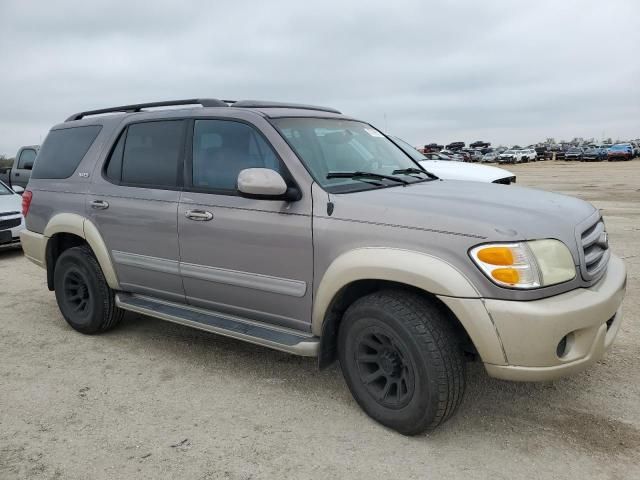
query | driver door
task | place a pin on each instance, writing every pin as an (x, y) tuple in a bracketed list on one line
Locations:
[(247, 257)]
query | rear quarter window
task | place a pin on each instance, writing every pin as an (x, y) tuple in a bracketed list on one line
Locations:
[(63, 150)]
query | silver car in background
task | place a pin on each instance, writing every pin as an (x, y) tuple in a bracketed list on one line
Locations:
[(11, 219)]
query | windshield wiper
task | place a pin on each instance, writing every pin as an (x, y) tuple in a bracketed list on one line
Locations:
[(410, 170), (363, 175)]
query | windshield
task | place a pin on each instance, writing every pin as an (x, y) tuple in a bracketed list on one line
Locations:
[(410, 150), (334, 145), (4, 190), (510, 152)]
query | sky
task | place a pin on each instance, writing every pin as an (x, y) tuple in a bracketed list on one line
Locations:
[(504, 71)]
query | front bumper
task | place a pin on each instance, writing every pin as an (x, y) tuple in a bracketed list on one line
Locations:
[(530, 332), (15, 234)]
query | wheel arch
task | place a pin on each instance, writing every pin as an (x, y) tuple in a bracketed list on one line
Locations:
[(67, 230), (362, 271)]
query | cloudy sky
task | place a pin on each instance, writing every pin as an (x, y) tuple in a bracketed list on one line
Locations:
[(503, 71)]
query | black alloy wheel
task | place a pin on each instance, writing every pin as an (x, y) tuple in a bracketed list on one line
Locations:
[(384, 367)]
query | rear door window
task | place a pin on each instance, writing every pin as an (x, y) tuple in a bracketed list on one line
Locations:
[(149, 155), (63, 150)]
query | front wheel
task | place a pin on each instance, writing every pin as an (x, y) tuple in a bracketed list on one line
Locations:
[(401, 360)]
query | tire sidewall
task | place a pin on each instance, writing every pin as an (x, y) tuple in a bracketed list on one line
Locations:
[(72, 260), (423, 406)]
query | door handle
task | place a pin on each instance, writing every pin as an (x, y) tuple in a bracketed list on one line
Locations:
[(99, 205), (199, 215), (17, 174)]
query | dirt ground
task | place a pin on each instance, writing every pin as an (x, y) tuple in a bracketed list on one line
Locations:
[(154, 400)]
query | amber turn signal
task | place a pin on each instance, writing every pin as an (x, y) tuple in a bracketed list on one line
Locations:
[(506, 275), (496, 256)]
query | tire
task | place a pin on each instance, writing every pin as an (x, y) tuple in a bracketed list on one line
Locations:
[(401, 360), (84, 298)]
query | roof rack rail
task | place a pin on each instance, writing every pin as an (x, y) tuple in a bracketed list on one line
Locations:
[(266, 104), (205, 102)]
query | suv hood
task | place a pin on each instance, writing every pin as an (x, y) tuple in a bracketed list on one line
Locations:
[(448, 170), (485, 211)]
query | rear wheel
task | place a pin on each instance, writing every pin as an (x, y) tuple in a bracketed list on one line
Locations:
[(84, 298), (401, 360)]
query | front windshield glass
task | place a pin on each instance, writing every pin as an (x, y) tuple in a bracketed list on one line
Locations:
[(339, 146), (4, 190), (410, 150)]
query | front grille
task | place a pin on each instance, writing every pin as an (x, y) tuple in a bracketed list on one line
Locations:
[(595, 250), (10, 223)]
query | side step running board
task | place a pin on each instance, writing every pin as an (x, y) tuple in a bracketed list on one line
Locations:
[(278, 338)]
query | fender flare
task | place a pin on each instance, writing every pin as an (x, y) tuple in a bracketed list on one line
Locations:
[(417, 269), (423, 271), (84, 228)]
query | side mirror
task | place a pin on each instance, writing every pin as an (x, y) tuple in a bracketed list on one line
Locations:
[(18, 189), (265, 184)]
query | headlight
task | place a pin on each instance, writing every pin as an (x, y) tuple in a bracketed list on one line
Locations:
[(538, 263)]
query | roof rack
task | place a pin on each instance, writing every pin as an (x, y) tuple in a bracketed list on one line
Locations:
[(205, 102), (266, 104)]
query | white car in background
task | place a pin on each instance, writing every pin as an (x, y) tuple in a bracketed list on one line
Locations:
[(529, 155), (448, 169), (11, 220), (511, 156)]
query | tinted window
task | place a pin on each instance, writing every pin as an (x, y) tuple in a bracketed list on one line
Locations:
[(63, 150), (221, 149), (27, 159), (149, 155), (114, 166)]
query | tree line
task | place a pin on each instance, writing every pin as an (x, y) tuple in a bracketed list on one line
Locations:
[(6, 162)]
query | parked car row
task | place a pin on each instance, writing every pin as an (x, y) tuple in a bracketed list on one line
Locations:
[(597, 153), (483, 152), (447, 168)]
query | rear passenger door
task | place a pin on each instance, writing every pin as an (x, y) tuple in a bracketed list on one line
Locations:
[(134, 203), (248, 257), (24, 165)]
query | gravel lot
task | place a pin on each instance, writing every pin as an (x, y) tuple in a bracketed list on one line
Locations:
[(156, 400)]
